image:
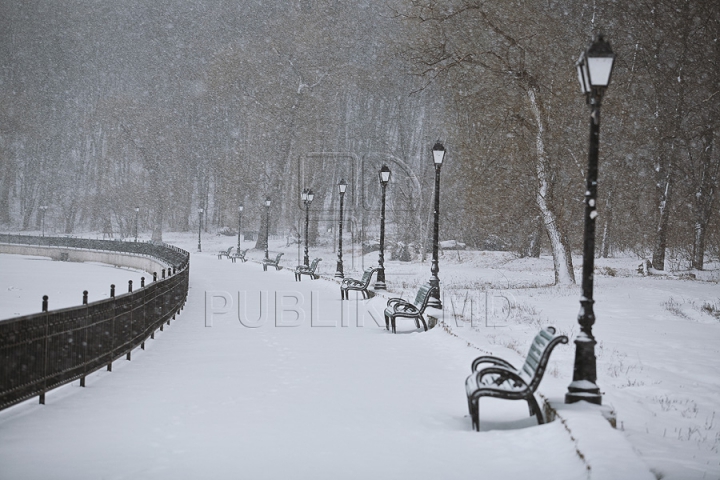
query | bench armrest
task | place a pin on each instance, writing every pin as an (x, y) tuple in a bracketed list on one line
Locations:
[(395, 300), (492, 360), (501, 375), (404, 307), (351, 281)]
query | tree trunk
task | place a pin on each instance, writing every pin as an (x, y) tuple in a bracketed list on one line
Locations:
[(533, 249), (605, 243), (704, 199), (562, 259), (658, 259)]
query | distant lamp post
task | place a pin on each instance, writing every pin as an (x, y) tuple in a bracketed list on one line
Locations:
[(594, 68), (42, 218), (137, 212), (240, 210), (267, 227), (200, 212), (307, 196), (438, 157), (342, 186), (384, 179)]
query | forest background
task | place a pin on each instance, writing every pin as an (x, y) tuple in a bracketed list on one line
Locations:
[(177, 105)]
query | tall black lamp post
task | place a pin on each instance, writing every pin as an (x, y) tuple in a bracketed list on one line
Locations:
[(438, 157), (267, 227), (137, 212), (594, 68), (307, 198), (342, 186), (42, 218), (240, 210), (384, 179), (200, 212)]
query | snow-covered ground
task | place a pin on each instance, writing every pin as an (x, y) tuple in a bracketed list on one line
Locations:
[(345, 401)]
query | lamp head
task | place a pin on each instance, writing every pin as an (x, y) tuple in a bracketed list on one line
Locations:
[(594, 67), (438, 153), (384, 175)]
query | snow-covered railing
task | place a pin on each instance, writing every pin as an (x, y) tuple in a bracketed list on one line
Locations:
[(45, 350)]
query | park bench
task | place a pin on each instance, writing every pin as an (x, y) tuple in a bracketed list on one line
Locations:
[(225, 253), (273, 263), (397, 307), (359, 285), (239, 254), (494, 377), (301, 270)]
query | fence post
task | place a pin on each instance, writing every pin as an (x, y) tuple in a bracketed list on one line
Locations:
[(142, 282), (163, 273), (45, 349), (154, 276), (85, 331), (112, 333), (129, 286)]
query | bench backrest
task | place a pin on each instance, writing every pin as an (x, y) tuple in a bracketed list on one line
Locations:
[(227, 252), (537, 358), (423, 295), (367, 274), (314, 264)]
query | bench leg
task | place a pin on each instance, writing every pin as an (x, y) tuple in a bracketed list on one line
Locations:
[(474, 408), (392, 324), (264, 268), (422, 319), (535, 409), (387, 323)]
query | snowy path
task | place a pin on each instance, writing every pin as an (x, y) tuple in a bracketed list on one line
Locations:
[(279, 402)]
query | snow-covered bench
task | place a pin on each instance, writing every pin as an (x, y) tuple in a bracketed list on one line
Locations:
[(239, 254), (225, 253), (494, 377), (397, 307), (359, 285), (301, 270), (273, 263)]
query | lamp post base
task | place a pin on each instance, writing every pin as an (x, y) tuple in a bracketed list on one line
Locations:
[(434, 303), (583, 390), (583, 386), (380, 286)]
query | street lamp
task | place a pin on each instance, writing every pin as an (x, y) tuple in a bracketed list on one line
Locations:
[(438, 157), (137, 211), (42, 218), (200, 212), (594, 68), (267, 227), (384, 179), (342, 186), (240, 210), (307, 196)]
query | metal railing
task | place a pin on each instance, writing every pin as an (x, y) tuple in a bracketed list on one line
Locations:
[(45, 350)]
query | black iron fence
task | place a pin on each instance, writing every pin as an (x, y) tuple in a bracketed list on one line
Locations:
[(45, 350)]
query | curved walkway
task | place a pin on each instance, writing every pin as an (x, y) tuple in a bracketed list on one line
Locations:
[(275, 401)]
